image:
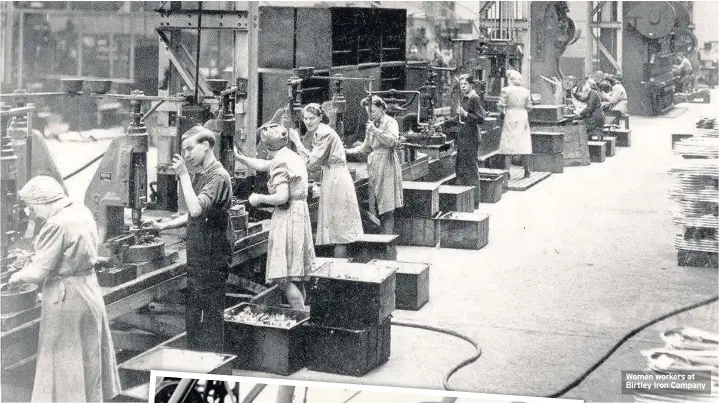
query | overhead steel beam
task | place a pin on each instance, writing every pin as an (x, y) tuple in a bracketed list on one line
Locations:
[(184, 64), (237, 20)]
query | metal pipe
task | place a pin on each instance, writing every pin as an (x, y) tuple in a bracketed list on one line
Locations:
[(17, 111), (34, 94), (197, 56), (254, 392), (153, 109), (182, 389)]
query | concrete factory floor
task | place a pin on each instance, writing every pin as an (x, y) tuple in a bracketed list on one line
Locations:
[(572, 265)]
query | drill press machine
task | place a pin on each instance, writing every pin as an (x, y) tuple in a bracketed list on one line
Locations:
[(8, 190), (120, 183)]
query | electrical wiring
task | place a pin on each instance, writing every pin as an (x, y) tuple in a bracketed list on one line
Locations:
[(84, 167), (573, 384), (624, 339), (464, 363)]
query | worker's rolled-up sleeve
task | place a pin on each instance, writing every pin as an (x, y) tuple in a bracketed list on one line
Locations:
[(49, 247), (215, 192)]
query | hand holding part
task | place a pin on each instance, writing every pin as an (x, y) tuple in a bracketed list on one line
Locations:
[(461, 111), (154, 225), (254, 199), (178, 164)]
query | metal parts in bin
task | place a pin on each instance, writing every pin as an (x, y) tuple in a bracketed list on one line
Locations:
[(273, 348)]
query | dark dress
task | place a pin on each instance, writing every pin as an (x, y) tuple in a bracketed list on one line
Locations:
[(209, 250), (592, 115), (466, 166)]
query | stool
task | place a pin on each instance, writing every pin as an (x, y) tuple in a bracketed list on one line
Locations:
[(373, 246), (597, 151), (611, 143)]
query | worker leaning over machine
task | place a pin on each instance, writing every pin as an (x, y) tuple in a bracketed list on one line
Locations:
[(683, 71), (75, 358), (208, 196), (592, 114), (383, 165), (290, 251), (338, 219)]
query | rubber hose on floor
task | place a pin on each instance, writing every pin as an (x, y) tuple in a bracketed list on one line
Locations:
[(628, 336), (84, 167), (475, 357)]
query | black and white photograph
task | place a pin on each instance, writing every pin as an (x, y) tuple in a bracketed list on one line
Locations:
[(175, 387), (302, 191)]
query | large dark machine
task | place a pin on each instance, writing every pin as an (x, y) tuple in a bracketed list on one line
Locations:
[(654, 32), (552, 31), (24, 155)]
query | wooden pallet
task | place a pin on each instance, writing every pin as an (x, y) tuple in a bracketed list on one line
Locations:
[(520, 183)]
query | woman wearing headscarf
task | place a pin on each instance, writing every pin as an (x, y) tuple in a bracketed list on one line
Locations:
[(338, 220), (514, 103), (75, 357), (469, 114), (592, 114), (383, 166), (290, 252)]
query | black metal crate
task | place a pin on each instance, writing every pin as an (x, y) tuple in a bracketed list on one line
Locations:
[(412, 289), (344, 351), (277, 349), (351, 295)]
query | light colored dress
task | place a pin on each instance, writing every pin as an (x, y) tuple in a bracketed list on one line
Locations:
[(290, 252), (338, 218), (383, 166), (75, 358), (516, 137), (618, 99)]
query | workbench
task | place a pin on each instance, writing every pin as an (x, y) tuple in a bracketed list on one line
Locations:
[(576, 149), (19, 344)]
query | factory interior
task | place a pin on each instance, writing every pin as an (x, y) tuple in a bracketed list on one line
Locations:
[(304, 191)]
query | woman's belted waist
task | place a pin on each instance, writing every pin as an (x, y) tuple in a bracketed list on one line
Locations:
[(334, 165), (384, 150), (83, 273)]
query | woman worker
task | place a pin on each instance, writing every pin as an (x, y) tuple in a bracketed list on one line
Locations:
[(75, 357), (290, 252), (383, 166), (592, 114), (514, 102), (338, 222), (470, 114)]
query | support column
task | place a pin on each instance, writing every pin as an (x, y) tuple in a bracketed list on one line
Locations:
[(589, 41), (620, 34), (20, 58), (245, 62)]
